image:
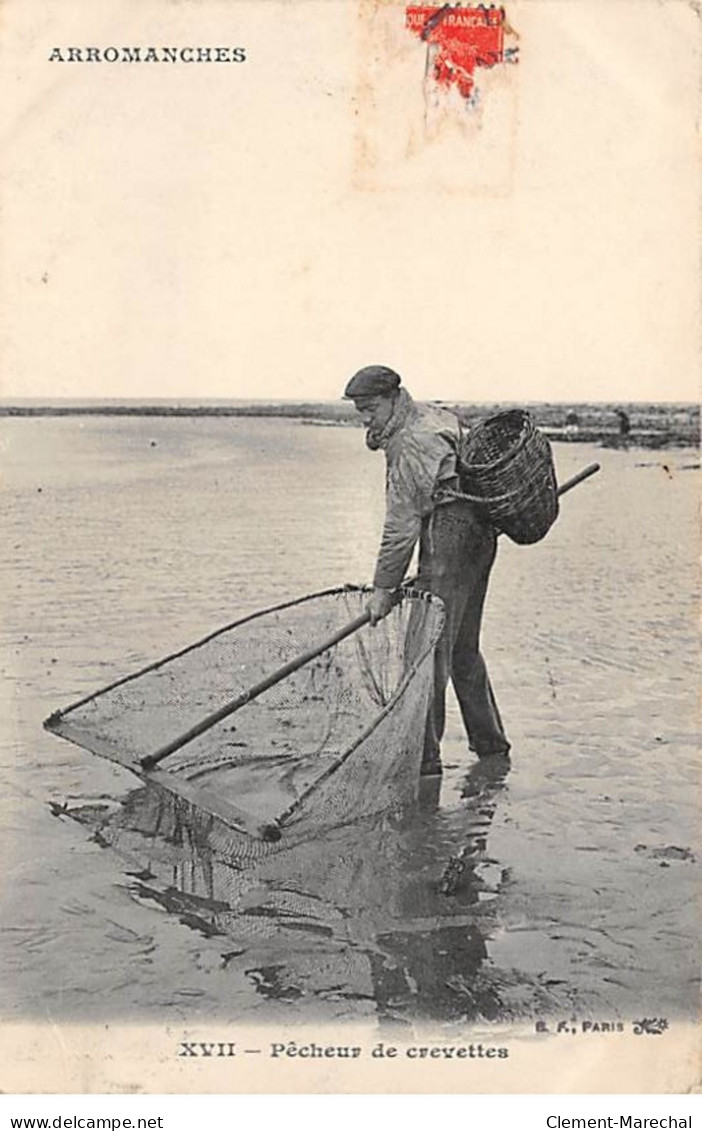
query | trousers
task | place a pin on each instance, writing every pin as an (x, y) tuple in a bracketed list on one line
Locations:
[(456, 552)]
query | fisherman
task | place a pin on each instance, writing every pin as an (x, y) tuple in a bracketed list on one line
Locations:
[(624, 422), (456, 549)]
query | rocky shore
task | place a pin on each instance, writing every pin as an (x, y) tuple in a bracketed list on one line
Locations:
[(656, 426)]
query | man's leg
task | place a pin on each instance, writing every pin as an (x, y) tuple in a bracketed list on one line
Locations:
[(456, 556), (471, 682)]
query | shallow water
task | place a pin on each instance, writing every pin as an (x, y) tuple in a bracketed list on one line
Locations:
[(566, 881)]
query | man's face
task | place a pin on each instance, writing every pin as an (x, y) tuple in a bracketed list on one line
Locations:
[(375, 411)]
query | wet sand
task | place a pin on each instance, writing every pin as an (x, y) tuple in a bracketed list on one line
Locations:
[(568, 880)]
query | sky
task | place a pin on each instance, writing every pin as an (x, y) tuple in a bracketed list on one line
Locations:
[(264, 229)]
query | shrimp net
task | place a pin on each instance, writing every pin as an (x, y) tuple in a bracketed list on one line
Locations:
[(337, 740)]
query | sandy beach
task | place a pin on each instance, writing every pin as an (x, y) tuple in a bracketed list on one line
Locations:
[(127, 538)]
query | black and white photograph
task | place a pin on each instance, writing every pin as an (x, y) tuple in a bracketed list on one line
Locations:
[(349, 456)]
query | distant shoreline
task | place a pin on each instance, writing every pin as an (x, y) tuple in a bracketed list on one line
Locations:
[(651, 425)]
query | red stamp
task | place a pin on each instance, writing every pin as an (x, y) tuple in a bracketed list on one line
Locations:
[(462, 39)]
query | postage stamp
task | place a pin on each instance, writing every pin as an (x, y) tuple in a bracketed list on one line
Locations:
[(459, 40), (436, 98)]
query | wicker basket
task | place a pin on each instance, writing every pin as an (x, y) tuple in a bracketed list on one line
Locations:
[(507, 467)]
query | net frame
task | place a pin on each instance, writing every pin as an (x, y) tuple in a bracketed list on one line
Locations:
[(343, 790)]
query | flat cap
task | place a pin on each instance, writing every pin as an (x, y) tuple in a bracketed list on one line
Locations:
[(372, 381)]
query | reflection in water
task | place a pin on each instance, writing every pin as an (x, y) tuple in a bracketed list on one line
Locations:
[(363, 913)]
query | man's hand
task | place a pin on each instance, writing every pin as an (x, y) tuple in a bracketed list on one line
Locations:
[(380, 604)]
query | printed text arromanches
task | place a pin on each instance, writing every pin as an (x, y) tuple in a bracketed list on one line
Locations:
[(147, 55)]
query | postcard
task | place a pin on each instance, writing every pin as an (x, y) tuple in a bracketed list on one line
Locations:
[(294, 291)]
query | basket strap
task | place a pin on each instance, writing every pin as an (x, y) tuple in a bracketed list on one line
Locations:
[(451, 496), (482, 500), (458, 496)]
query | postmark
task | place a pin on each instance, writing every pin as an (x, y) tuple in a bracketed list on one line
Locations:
[(461, 40)]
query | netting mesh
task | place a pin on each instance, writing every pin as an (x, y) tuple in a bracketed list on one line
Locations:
[(336, 740)]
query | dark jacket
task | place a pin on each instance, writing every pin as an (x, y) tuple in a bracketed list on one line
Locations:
[(421, 446)]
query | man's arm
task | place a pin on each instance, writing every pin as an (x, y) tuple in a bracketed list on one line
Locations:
[(409, 497), (403, 523)]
